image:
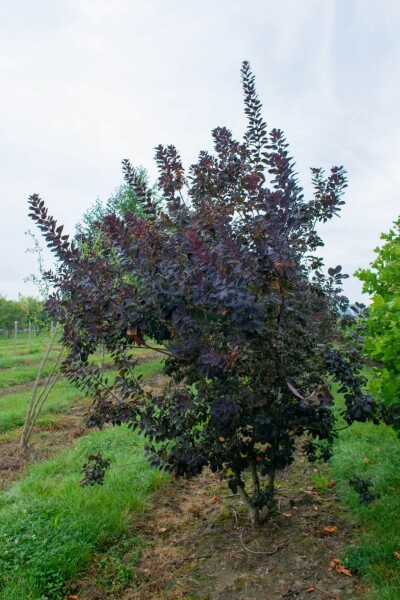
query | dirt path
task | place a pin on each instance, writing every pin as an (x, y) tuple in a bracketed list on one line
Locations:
[(198, 544), (46, 440)]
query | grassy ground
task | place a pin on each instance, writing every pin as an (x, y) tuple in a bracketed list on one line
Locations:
[(372, 452), (24, 347), (22, 374), (16, 370), (50, 527), (13, 406)]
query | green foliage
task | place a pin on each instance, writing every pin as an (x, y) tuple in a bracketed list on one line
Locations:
[(38, 279), (23, 310), (50, 528), (373, 452), (322, 483), (382, 333), (123, 201), (114, 571)]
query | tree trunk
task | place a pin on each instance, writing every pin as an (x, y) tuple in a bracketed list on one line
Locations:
[(38, 399)]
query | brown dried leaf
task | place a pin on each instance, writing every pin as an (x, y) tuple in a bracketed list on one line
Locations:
[(343, 571), (397, 555), (330, 528)]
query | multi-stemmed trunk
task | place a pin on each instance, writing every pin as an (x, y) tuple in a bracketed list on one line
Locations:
[(257, 516)]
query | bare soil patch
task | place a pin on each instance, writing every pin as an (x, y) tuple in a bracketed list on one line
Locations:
[(198, 544), (46, 440)]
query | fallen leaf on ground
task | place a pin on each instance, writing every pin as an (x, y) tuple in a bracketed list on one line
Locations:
[(330, 528), (343, 571), (397, 555), (311, 589)]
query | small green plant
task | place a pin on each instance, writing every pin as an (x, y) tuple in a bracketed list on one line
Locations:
[(115, 568), (322, 483)]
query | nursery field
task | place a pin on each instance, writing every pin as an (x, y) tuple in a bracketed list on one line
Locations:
[(142, 536)]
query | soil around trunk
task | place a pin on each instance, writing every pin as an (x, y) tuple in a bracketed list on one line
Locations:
[(198, 544)]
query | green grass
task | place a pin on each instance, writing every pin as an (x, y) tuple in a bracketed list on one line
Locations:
[(50, 528), (24, 360), (23, 369), (24, 348), (25, 374), (372, 452), (13, 406), (151, 368)]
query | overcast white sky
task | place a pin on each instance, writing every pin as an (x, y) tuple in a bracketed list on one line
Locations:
[(86, 83)]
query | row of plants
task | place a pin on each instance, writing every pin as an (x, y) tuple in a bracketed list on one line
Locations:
[(25, 310)]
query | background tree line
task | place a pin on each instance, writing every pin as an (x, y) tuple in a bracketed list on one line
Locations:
[(24, 310)]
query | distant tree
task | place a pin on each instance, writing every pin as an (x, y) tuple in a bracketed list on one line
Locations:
[(224, 274), (34, 310), (16, 310), (124, 200), (382, 325)]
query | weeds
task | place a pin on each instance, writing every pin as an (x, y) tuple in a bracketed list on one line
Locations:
[(50, 528)]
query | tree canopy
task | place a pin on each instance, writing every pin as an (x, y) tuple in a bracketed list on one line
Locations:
[(223, 277), (23, 310)]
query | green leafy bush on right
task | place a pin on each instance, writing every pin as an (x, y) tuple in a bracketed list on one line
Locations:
[(382, 326)]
